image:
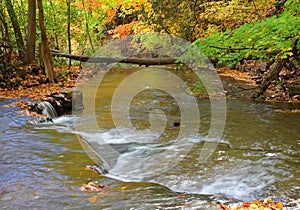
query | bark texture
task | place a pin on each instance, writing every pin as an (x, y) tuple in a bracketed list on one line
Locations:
[(45, 49)]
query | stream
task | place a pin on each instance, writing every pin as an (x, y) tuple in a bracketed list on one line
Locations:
[(43, 166)]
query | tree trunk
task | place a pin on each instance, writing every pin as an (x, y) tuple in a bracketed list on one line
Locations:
[(6, 48), (4, 27), (69, 29), (275, 70), (17, 31), (45, 49), (272, 75), (31, 34), (87, 28)]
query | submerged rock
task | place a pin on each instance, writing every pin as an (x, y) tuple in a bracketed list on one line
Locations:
[(40, 120)]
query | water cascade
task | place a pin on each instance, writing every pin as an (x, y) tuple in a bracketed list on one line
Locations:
[(48, 109)]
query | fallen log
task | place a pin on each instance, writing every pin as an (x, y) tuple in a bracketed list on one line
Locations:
[(117, 59), (268, 79), (274, 71), (133, 60)]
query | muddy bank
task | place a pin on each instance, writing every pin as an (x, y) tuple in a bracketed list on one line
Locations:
[(241, 85)]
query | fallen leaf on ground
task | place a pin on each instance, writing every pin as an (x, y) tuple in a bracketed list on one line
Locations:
[(266, 204)]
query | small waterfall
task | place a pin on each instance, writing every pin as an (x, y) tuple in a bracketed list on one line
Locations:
[(48, 109)]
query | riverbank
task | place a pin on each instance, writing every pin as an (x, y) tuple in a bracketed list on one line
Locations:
[(35, 87), (237, 84)]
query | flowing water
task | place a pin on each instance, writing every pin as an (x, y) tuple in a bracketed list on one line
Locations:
[(43, 166)]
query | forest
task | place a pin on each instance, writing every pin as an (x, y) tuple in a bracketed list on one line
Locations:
[(248, 36)]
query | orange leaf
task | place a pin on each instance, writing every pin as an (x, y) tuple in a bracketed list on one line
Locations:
[(93, 199), (279, 205)]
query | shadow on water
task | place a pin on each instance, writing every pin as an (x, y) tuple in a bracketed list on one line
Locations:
[(44, 165)]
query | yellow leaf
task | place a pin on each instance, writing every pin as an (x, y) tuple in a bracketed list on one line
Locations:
[(253, 206), (124, 188)]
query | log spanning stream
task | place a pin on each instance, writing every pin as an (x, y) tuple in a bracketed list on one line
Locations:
[(43, 166)]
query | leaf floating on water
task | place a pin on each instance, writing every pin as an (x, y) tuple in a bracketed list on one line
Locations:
[(93, 168), (92, 187), (93, 199), (124, 188), (181, 195), (223, 207)]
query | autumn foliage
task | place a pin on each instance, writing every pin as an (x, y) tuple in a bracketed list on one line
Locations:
[(266, 204)]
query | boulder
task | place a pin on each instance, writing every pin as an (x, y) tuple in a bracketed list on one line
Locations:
[(66, 102), (58, 104)]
